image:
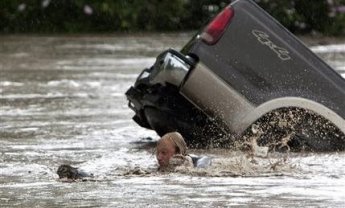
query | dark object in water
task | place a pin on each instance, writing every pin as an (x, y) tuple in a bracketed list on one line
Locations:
[(69, 172), (242, 66)]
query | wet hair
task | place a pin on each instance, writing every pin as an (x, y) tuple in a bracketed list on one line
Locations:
[(177, 139)]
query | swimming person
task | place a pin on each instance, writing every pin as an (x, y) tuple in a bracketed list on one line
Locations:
[(172, 152)]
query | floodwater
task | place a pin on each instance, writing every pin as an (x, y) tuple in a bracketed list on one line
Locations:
[(62, 101)]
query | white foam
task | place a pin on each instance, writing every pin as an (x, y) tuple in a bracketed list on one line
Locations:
[(27, 185), (65, 82), (104, 63), (9, 83), (48, 95), (112, 47), (336, 48), (19, 169)]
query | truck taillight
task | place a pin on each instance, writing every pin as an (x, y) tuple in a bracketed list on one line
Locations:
[(215, 29)]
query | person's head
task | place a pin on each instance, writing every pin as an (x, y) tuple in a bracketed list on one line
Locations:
[(170, 144)]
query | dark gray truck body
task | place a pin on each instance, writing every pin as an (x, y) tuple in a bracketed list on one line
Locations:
[(257, 66)]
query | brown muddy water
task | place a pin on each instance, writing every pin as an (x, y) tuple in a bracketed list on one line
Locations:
[(62, 101)]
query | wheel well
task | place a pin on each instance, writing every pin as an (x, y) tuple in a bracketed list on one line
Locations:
[(294, 102), (295, 129)]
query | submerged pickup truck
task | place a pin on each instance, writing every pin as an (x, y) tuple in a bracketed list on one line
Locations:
[(243, 69)]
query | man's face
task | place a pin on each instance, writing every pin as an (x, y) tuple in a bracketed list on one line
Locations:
[(165, 151)]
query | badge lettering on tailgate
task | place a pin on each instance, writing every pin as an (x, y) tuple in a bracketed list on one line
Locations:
[(263, 38)]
